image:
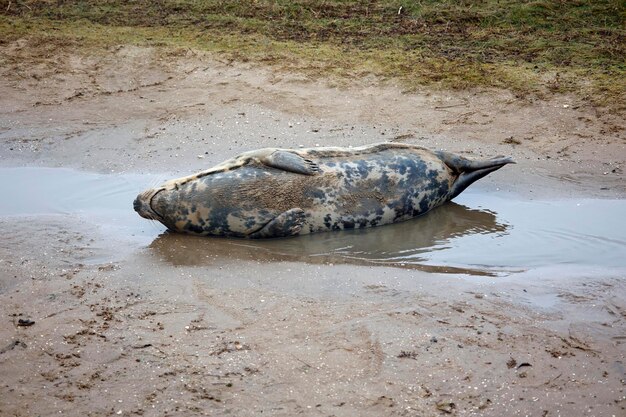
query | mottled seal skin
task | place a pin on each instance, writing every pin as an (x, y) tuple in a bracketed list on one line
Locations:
[(282, 192)]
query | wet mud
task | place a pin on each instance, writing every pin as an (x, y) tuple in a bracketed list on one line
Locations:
[(509, 301)]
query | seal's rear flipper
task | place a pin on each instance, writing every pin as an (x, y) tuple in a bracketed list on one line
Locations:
[(289, 161), (288, 223), (469, 171)]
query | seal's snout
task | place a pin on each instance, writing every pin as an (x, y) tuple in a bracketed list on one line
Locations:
[(142, 205), (137, 205)]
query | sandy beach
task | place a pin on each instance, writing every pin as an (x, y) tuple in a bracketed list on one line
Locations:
[(97, 322)]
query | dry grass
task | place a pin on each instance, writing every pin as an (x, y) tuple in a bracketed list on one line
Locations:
[(529, 47)]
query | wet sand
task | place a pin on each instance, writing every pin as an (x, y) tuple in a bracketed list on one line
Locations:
[(102, 323)]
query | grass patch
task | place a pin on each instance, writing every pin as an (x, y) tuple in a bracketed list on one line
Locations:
[(519, 45)]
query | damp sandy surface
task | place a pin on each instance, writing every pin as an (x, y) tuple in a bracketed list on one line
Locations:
[(508, 302)]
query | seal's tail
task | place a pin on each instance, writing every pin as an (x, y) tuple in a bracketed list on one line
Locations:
[(469, 171)]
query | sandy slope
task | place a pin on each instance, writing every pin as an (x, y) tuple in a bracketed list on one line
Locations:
[(144, 336)]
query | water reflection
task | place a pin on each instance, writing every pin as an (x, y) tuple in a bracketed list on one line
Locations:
[(462, 238), (404, 244)]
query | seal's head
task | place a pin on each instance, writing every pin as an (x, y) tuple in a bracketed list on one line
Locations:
[(170, 203), (144, 204)]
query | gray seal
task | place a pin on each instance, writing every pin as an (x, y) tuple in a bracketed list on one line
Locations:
[(284, 192)]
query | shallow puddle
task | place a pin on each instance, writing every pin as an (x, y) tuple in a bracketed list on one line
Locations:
[(480, 233)]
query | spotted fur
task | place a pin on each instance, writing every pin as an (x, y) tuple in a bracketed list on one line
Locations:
[(281, 192)]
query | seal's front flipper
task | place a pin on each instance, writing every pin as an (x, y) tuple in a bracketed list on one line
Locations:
[(288, 223), (289, 161)]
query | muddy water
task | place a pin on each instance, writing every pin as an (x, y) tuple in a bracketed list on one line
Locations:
[(101, 199), (479, 234)]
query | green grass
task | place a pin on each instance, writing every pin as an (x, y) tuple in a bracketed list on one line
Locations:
[(518, 45)]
